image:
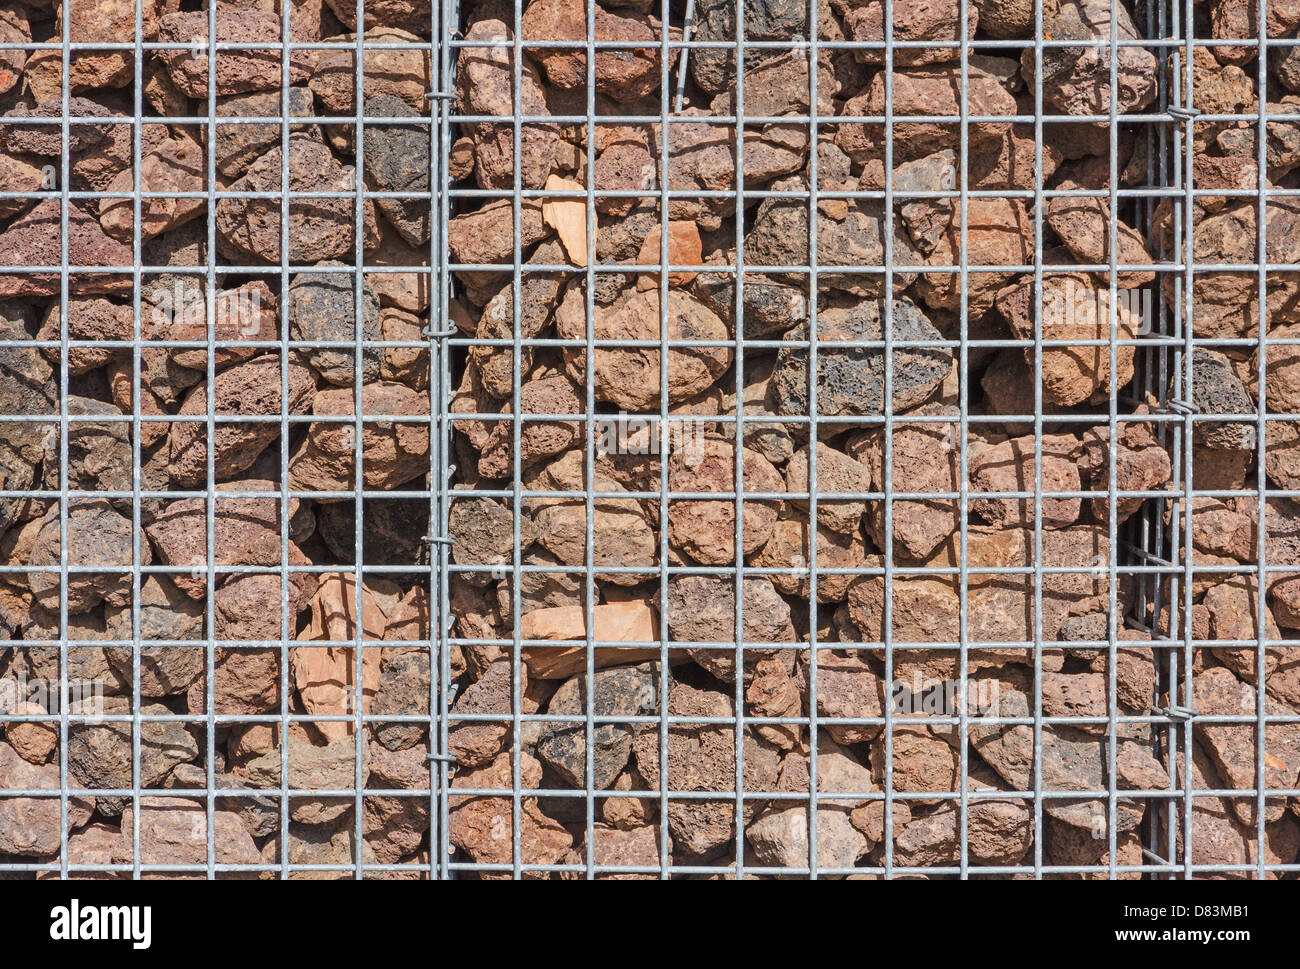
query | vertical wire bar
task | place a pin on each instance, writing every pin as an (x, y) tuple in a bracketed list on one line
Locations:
[(963, 333), (137, 180), (738, 462), (1037, 611), (1188, 393), (887, 411), (665, 136), (516, 450), (1167, 598), (1113, 451), (688, 24), (358, 442), (1261, 437), (285, 353), (449, 13), (437, 453), (209, 503), (65, 211), (589, 462), (814, 34)]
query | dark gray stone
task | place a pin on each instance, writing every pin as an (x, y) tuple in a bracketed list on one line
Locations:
[(779, 237), (1217, 390), (619, 692), (403, 689), (397, 160), (1084, 628), (394, 529), (852, 380), (28, 385), (770, 308), (322, 307), (261, 815), (715, 70)]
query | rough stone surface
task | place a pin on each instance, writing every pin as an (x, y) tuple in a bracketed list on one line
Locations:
[(397, 160), (704, 528), (29, 826), (249, 229), (851, 381), (628, 691), (252, 389), (392, 452), (322, 308), (238, 71)]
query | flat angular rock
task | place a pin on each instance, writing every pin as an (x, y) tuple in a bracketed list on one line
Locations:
[(174, 831)]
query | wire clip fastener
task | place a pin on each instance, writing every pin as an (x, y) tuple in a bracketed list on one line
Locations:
[(1178, 713), (1178, 406), (431, 333), (439, 96), (438, 539), (1187, 114), (446, 758)]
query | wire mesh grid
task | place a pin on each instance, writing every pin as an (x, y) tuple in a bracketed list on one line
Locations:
[(613, 583)]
